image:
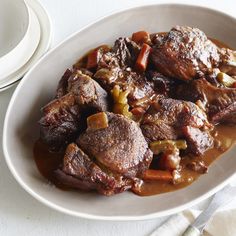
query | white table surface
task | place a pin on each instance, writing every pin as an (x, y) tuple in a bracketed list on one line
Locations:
[(20, 214)]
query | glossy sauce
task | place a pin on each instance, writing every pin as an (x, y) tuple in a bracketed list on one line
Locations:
[(47, 161)]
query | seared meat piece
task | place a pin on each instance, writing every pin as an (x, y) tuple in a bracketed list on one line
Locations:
[(162, 84), (165, 118), (88, 93), (220, 103), (228, 61), (185, 53), (63, 83), (120, 147), (60, 121), (62, 117), (198, 141), (126, 51), (79, 171)]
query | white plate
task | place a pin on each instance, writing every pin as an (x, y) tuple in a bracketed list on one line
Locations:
[(18, 57), (43, 46), (14, 25), (38, 87)]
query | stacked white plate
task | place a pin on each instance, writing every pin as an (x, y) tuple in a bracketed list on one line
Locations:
[(25, 35)]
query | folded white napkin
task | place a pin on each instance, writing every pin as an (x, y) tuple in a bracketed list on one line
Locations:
[(223, 223)]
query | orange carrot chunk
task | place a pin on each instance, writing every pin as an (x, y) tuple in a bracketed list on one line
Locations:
[(93, 58), (141, 37), (142, 60), (157, 175)]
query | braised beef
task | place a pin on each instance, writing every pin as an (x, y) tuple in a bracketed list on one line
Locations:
[(185, 53), (172, 119), (198, 141), (162, 84), (167, 86), (61, 119), (63, 83), (220, 103), (88, 93), (167, 116), (79, 171), (121, 146)]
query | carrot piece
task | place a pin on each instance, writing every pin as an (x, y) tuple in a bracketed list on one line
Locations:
[(157, 175), (93, 58), (141, 37), (142, 60)]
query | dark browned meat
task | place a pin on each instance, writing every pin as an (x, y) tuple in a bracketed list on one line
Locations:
[(228, 61), (162, 84), (79, 171), (63, 83), (121, 147), (168, 119), (220, 103), (166, 116), (62, 117), (88, 93), (198, 141), (185, 53), (60, 121)]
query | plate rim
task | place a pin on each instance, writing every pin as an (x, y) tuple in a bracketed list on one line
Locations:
[(35, 6), (98, 216)]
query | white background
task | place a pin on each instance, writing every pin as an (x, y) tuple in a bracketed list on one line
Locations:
[(20, 214)]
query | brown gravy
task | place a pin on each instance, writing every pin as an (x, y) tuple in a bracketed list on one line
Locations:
[(47, 161)]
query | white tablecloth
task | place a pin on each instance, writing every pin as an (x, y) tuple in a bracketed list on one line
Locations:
[(20, 214)]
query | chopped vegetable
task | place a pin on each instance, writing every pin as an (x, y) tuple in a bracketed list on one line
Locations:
[(157, 175), (97, 121), (164, 145), (121, 105), (142, 60), (141, 37), (225, 79)]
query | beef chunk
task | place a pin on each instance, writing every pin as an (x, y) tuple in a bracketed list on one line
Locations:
[(162, 84), (185, 53), (198, 141), (126, 51), (228, 61), (165, 118), (88, 93), (79, 171), (220, 103), (63, 117), (121, 147), (60, 121), (63, 83)]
